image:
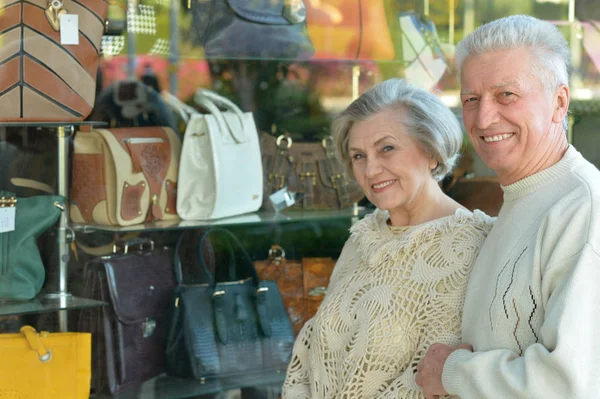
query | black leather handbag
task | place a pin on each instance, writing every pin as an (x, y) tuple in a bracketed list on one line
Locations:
[(251, 28), (129, 335), (231, 324)]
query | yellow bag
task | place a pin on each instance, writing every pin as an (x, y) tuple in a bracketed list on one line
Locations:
[(45, 365)]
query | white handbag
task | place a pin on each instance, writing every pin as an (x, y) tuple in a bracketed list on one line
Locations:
[(220, 172)]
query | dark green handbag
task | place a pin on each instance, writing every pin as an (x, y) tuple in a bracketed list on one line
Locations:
[(21, 270)]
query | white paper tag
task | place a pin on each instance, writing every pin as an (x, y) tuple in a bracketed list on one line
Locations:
[(7, 219), (69, 29)]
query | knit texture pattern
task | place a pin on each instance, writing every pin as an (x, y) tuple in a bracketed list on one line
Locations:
[(393, 293)]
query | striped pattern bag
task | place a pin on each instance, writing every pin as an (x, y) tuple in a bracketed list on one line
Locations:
[(42, 80)]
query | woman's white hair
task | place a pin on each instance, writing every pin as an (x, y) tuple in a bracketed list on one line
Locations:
[(551, 56), (425, 117)]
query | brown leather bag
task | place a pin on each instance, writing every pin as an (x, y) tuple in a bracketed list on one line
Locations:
[(483, 193), (302, 284), (125, 176), (311, 170), (40, 78)]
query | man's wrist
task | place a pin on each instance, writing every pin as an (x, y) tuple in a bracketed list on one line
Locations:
[(451, 375)]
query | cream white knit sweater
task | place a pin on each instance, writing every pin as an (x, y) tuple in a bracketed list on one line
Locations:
[(532, 308), (393, 293)]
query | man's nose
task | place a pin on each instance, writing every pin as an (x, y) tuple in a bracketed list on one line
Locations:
[(487, 113)]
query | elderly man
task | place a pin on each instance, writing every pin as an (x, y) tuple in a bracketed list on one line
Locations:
[(532, 310)]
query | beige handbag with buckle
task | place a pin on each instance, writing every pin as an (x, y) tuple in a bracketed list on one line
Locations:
[(125, 176)]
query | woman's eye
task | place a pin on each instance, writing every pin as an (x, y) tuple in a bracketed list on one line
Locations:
[(356, 157), (388, 148)]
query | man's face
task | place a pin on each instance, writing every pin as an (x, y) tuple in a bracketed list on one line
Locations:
[(511, 119)]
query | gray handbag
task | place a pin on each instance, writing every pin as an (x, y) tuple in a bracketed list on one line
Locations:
[(251, 28)]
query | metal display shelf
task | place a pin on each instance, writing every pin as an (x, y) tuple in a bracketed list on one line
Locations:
[(45, 304)]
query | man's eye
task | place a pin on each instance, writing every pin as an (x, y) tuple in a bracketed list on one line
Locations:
[(469, 100), (507, 93), (388, 148)]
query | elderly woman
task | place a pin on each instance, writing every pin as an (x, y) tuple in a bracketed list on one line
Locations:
[(400, 281)]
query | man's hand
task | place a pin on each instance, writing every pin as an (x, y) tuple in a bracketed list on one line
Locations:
[(429, 369)]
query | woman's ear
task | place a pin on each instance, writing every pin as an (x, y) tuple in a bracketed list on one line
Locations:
[(433, 163), (561, 103)]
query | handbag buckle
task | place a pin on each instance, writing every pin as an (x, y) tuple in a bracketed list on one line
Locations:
[(277, 178), (148, 327), (53, 12), (307, 175), (8, 202), (294, 11), (335, 178)]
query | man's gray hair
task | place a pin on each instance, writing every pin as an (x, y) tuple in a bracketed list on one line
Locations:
[(423, 115), (548, 46)]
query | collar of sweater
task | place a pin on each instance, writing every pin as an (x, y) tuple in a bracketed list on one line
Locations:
[(376, 242), (543, 178)]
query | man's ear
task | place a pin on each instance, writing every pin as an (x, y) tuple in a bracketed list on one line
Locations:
[(561, 103)]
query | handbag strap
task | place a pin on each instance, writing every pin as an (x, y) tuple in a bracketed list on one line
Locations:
[(211, 101), (29, 183)]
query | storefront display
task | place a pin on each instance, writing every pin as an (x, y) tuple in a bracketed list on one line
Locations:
[(196, 112)]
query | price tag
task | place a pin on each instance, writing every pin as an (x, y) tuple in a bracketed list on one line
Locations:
[(282, 199), (69, 29), (7, 219)]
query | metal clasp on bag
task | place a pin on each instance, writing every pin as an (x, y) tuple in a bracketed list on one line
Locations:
[(148, 327), (276, 254), (294, 11), (53, 12), (142, 245), (317, 291)]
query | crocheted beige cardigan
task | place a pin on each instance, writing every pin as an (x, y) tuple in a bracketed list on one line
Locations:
[(393, 293)]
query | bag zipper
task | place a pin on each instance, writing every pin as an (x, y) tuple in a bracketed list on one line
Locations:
[(4, 249), (6, 202), (144, 140)]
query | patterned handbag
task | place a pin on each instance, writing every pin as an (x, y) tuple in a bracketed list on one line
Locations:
[(231, 324), (125, 176), (42, 79)]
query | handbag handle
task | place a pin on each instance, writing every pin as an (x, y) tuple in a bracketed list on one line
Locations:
[(262, 305), (184, 110), (211, 101), (179, 269), (247, 264)]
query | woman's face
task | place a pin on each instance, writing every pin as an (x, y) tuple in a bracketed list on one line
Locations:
[(390, 165)]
